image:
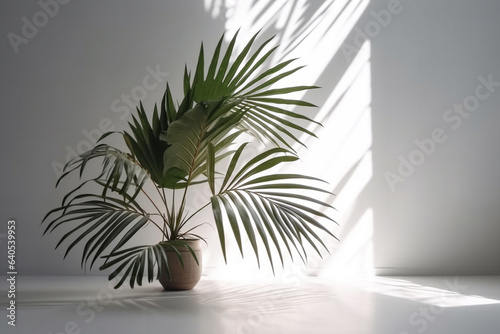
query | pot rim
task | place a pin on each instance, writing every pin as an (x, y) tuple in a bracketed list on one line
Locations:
[(194, 244), (185, 240)]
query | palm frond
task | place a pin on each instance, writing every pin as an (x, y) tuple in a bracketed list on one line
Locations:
[(100, 224), (189, 137), (277, 209), (144, 140), (120, 172), (244, 80)]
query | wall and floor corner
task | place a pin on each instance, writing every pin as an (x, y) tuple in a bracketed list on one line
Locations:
[(409, 102)]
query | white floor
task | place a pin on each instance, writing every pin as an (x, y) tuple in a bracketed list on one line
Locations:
[(385, 305)]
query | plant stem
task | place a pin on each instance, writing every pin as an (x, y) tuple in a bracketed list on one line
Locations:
[(183, 205), (154, 204), (163, 197), (165, 201), (173, 216), (159, 227)]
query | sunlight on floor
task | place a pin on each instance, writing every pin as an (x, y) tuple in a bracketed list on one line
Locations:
[(452, 292), (294, 305)]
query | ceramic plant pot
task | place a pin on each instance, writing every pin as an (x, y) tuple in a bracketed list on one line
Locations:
[(182, 277)]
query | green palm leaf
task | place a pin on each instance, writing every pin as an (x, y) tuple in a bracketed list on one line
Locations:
[(190, 136), (144, 141), (101, 225), (120, 172), (279, 218), (243, 81)]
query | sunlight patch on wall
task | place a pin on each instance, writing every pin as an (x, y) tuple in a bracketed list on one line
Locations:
[(355, 257), (346, 117), (344, 158), (314, 33)]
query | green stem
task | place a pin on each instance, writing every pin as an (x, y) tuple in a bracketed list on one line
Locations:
[(166, 216), (159, 227), (178, 221), (154, 204), (172, 217)]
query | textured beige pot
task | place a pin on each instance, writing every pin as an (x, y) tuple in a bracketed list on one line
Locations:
[(182, 278)]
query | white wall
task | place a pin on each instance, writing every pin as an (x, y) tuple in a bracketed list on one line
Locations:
[(64, 81), (443, 218)]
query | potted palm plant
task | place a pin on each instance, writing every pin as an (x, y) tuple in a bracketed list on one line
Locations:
[(187, 145)]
